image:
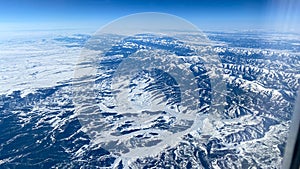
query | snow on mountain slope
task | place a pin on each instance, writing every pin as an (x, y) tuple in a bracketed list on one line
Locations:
[(40, 128)]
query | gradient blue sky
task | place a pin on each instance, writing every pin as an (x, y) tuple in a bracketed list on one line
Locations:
[(206, 14)]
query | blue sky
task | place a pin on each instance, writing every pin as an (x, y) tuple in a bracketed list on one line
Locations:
[(206, 14)]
